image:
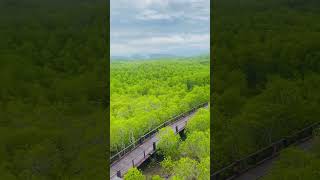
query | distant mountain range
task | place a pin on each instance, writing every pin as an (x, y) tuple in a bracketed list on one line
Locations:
[(139, 56)]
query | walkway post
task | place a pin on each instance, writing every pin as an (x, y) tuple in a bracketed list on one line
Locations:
[(132, 162), (144, 154), (154, 146), (177, 130), (237, 168), (119, 173), (216, 177)]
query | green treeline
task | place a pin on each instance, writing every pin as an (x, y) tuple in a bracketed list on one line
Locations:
[(188, 159), (53, 89), (266, 73), (144, 94)]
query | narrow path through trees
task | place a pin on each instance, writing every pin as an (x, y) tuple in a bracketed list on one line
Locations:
[(142, 152)]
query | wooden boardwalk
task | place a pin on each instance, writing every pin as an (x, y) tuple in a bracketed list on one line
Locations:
[(142, 152)]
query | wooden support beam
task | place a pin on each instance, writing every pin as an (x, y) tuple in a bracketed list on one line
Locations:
[(154, 146)]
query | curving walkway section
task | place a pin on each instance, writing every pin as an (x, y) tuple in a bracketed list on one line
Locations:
[(143, 151)]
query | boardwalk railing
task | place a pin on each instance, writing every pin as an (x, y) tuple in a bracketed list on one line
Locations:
[(146, 153), (140, 141), (255, 159)]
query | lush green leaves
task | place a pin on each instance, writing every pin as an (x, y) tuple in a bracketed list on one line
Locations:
[(145, 94), (266, 73), (134, 174), (295, 163), (53, 90), (192, 156), (168, 142)]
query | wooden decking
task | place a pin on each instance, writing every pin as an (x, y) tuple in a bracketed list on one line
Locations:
[(142, 152)]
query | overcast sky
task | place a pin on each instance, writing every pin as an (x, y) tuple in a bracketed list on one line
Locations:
[(177, 27)]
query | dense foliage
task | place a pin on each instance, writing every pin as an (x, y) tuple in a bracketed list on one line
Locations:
[(296, 163), (145, 94), (134, 174), (188, 159), (266, 73), (53, 89)]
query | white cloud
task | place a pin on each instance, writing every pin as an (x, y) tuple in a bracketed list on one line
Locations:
[(122, 49), (155, 26), (139, 4), (161, 44), (153, 15), (172, 39)]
